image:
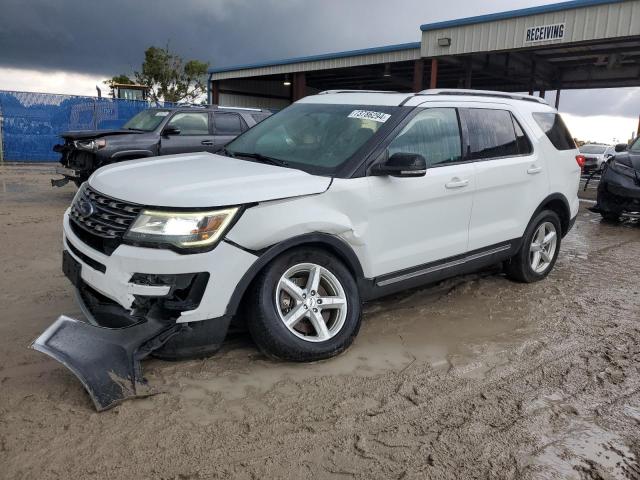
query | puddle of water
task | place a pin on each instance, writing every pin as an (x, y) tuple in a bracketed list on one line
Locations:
[(464, 330)]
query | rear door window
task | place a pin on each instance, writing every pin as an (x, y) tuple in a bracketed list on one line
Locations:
[(555, 129), (492, 133), (196, 123), (258, 117), (227, 124), (433, 133)]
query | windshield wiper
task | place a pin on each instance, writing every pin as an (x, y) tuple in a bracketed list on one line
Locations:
[(226, 152), (260, 158)]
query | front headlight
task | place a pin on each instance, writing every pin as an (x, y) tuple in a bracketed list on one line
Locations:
[(90, 145), (181, 229)]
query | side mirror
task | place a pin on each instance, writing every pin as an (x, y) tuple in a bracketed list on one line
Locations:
[(170, 130), (402, 165), (621, 147)]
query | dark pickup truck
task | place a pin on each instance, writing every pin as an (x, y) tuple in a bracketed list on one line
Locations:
[(152, 132)]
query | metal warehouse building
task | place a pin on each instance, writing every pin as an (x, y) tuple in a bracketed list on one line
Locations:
[(569, 45)]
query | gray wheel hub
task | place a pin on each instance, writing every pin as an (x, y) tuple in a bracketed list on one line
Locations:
[(311, 302), (543, 247)]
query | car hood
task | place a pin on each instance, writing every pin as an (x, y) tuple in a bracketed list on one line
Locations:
[(202, 180), (630, 159), (86, 134)]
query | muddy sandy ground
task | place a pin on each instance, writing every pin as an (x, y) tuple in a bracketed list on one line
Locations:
[(476, 377)]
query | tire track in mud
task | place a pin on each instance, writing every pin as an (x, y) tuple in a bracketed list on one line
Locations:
[(550, 371), (497, 426), (557, 397)]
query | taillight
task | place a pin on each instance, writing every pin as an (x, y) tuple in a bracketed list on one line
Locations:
[(580, 160)]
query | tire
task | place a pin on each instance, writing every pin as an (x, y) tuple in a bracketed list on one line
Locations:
[(520, 267), (273, 300)]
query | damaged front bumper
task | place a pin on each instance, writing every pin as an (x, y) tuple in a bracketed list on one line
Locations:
[(76, 165), (105, 360), (618, 191), (139, 301)]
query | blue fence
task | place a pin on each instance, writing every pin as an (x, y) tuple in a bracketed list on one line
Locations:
[(30, 123)]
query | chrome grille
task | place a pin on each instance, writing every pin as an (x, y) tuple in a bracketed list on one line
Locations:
[(102, 216)]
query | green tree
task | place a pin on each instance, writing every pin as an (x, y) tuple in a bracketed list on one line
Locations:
[(119, 79), (168, 76)]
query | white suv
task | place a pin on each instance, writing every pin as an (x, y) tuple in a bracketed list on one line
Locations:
[(338, 199)]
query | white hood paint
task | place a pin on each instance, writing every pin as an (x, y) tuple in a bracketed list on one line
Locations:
[(202, 180)]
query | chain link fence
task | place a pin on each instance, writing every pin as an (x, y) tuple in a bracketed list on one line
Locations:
[(31, 123)]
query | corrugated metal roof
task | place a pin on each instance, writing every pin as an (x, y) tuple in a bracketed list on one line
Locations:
[(522, 12), (324, 56), (586, 21)]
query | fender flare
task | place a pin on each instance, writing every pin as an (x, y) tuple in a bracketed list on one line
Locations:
[(322, 240), (126, 153)]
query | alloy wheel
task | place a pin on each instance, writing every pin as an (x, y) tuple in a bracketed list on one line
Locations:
[(311, 302), (543, 247)]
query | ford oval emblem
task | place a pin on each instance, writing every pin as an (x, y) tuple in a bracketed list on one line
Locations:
[(86, 208)]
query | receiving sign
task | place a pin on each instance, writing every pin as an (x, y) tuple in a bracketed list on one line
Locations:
[(545, 33)]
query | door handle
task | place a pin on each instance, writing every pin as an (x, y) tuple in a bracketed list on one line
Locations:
[(207, 142), (533, 169), (456, 183)]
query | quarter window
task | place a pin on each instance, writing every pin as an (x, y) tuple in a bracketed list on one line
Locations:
[(227, 124), (555, 129), (433, 133), (491, 133), (523, 142), (196, 123)]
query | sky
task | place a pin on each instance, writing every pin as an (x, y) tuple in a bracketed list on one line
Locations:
[(70, 46)]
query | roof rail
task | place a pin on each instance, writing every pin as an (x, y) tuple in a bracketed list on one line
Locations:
[(483, 93), (188, 105), (356, 91), (238, 108)]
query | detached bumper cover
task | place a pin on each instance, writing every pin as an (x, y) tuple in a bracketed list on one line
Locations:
[(105, 360)]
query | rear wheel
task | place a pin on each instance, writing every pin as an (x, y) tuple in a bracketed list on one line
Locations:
[(305, 307), (539, 251)]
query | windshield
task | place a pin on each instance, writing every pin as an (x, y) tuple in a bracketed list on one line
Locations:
[(635, 146), (594, 149), (314, 137), (147, 120)]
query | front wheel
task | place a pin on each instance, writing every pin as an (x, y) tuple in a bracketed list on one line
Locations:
[(539, 250), (304, 307)]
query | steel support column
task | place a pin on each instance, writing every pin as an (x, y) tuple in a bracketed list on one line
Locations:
[(299, 89), (434, 73), (215, 92), (557, 104), (532, 78), (418, 75)]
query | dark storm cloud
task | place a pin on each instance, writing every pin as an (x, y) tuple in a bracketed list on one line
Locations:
[(109, 37)]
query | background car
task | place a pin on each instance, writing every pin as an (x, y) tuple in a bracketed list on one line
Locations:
[(595, 154), (156, 131)]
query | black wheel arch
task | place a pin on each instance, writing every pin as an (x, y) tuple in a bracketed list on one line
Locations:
[(559, 204), (131, 154), (323, 241)]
